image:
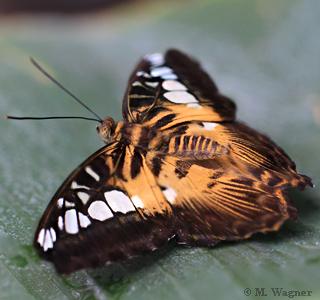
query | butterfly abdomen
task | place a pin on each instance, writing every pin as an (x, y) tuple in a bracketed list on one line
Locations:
[(199, 147)]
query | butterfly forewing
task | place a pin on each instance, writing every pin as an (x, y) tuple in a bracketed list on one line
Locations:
[(109, 209), (170, 90), (179, 165)]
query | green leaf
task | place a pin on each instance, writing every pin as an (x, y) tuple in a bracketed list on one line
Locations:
[(263, 54)]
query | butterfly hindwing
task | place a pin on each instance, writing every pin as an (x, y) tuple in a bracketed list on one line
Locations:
[(109, 209), (224, 183)]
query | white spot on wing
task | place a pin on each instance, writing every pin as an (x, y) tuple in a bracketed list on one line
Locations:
[(53, 234), (48, 243), (84, 197), (84, 220), (144, 74), (60, 202), (99, 210), (46, 238), (137, 201), (40, 239), (119, 202), (155, 59), (152, 84), (161, 71), (173, 85), (169, 76), (75, 186), (60, 223), (180, 97), (92, 173), (209, 125), (137, 83), (194, 105), (170, 194), (69, 204), (71, 221)]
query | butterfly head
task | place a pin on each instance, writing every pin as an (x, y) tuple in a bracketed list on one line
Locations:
[(106, 130)]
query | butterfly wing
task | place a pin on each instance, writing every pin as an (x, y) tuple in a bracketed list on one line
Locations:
[(225, 181), (108, 210), (168, 90)]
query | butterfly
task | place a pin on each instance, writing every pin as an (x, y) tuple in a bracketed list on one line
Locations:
[(178, 166)]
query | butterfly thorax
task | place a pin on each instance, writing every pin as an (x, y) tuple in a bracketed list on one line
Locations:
[(130, 133)]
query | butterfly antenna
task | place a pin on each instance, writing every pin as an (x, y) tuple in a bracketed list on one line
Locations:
[(50, 118), (64, 89)]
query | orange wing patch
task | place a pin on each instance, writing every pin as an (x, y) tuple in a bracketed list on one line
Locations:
[(139, 184)]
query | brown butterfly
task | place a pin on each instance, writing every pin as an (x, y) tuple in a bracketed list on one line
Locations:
[(178, 166)]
